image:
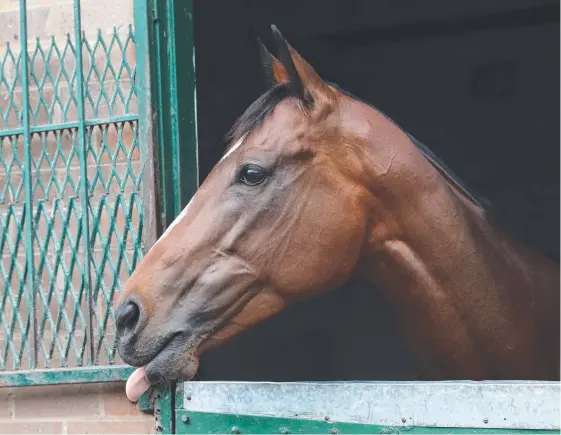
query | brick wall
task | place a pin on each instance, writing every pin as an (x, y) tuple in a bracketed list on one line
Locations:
[(113, 155), (71, 409)]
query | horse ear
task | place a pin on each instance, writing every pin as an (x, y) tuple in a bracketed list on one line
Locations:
[(304, 80), (275, 72), (286, 60)]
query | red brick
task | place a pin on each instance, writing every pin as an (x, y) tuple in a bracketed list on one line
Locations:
[(5, 403), (115, 402), (57, 401), (22, 427), (144, 426)]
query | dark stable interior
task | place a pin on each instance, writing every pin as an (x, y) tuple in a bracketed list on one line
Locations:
[(475, 81)]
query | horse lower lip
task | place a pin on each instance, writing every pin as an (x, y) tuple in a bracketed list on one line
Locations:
[(152, 369), (172, 364), (152, 375)]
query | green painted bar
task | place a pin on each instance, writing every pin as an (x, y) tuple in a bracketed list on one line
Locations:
[(210, 423), (177, 163), (76, 375), (182, 59), (84, 188), (173, 104), (164, 120), (69, 125), (145, 402), (27, 174), (147, 111), (165, 411)]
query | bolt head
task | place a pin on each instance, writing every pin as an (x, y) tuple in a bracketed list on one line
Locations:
[(235, 430), (185, 419)]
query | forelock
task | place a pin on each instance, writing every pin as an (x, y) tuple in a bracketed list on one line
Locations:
[(258, 111)]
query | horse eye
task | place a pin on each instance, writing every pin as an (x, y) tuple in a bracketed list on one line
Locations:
[(252, 175)]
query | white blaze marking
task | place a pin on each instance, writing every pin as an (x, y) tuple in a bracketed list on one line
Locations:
[(175, 222), (234, 147), (178, 218), (186, 209)]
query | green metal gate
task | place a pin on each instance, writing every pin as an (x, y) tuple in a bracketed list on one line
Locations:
[(77, 196)]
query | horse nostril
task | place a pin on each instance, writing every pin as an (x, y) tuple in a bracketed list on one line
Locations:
[(128, 315)]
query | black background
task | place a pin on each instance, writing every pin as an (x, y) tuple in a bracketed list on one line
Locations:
[(475, 81)]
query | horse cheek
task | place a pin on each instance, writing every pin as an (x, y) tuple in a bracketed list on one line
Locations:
[(326, 255)]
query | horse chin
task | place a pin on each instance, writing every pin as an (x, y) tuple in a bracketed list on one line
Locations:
[(190, 368), (158, 371), (172, 363)]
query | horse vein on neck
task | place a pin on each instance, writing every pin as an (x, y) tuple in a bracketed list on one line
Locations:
[(389, 165)]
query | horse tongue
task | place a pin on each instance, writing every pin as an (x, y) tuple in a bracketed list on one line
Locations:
[(137, 384)]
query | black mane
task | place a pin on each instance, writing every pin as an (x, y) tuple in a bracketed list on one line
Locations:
[(255, 114), (258, 111)]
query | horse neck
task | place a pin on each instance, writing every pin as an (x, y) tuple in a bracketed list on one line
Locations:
[(454, 281), (458, 252), (434, 241)]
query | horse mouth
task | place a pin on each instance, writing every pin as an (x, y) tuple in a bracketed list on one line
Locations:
[(167, 347), (173, 360)]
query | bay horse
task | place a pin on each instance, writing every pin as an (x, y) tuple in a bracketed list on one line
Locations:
[(317, 187)]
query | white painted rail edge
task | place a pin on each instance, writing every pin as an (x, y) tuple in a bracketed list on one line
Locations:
[(508, 405)]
